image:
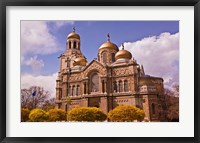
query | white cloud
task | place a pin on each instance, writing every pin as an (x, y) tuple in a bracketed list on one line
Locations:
[(47, 82), (159, 55), (35, 63), (59, 24), (36, 38)]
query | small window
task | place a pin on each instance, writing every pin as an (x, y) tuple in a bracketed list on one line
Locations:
[(126, 86), (73, 91), (115, 86), (104, 55), (153, 108), (120, 86), (103, 86), (84, 87), (60, 95), (113, 57), (70, 91), (69, 44), (74, 45), (78, 90)]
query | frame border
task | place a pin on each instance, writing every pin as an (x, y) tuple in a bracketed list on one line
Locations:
[(5, 3)]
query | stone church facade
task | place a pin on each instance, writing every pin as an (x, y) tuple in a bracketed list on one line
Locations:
[(113, 78)]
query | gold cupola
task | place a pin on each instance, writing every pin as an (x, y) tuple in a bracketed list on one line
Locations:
[(123, 54), (80, 61), (109, 45), (73, 35)]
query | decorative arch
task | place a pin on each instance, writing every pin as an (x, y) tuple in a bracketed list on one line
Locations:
[(94, 66)]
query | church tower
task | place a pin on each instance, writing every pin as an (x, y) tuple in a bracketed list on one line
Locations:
[(70, 59), (73, 52), (107, 51)]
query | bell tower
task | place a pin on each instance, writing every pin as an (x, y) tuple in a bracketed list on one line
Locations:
[(73, 41)]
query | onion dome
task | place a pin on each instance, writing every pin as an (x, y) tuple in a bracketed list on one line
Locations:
[(109, 45), (73, 35), (81, 61), (123, 54)]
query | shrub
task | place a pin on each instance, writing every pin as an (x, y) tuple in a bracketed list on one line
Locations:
[(126, 113), (57, 115), (25, 114), (88, 114), (99, 114), (38, 115)]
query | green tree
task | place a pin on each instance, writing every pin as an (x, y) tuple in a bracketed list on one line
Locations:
[(87, 114), (38, 115), (57, 115), (126, 113), (25, 114)]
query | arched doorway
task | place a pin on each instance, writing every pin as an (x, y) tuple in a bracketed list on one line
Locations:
[(94, 83)]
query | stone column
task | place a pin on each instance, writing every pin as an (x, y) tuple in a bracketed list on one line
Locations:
[(105, 86), (122, 86), (104, 104), (64, 90), (87, 86), (72, 44)]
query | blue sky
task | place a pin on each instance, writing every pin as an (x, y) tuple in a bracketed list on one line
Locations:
[(43, 41)]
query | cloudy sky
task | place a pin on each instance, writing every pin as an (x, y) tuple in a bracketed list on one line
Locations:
[(154, 44)]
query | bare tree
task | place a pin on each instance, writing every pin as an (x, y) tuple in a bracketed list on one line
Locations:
[(49, 104), (33, 97), (170, 103)]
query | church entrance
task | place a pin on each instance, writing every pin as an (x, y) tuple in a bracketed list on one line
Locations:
[(94, 102)]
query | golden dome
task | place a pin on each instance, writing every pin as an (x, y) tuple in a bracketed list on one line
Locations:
[(73, 35), (80, 61), (109, 45), (123, 54)]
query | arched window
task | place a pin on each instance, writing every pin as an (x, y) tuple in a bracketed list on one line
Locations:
[(103, 86), (74, 44), (73, 90), (95, 83), (68, 62), (114, 86), (153, 108), (78, 90), (60, 94), (69, 44), (104, 56), (113, 57), (125, 86), (84, 87), (120, 86), (70, 91)]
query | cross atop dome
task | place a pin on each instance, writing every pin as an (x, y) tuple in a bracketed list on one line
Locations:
[(74, 29), (108, 36), (122, 46)]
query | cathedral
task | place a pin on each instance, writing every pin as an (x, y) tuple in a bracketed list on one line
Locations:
[(113, 78)]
